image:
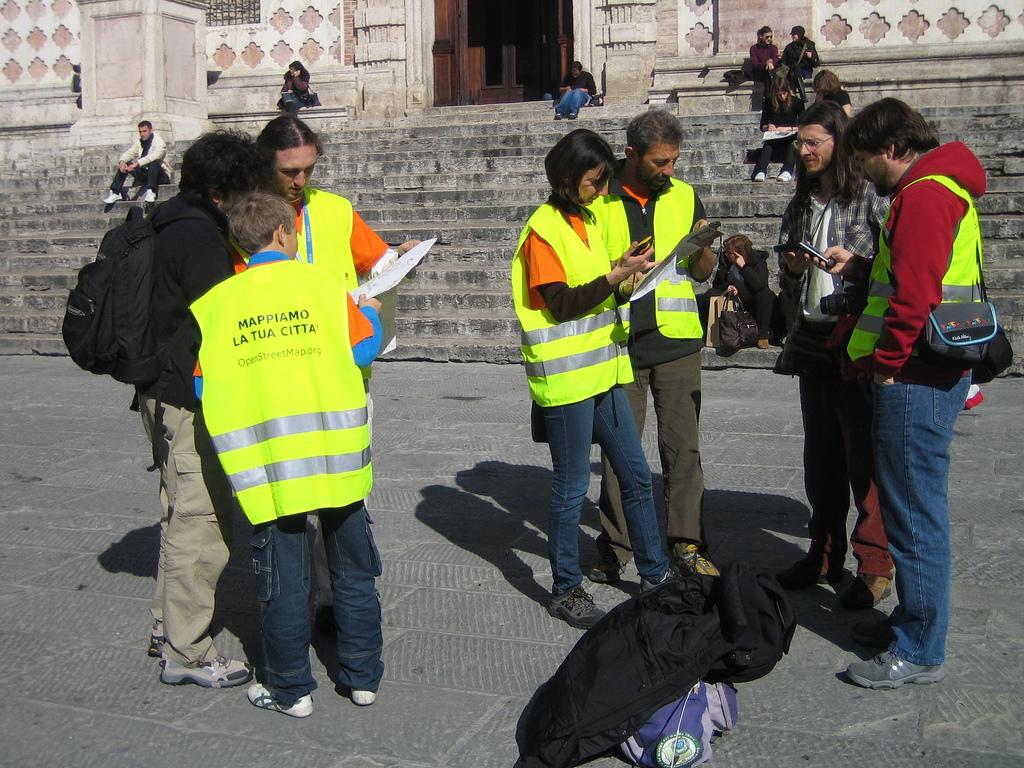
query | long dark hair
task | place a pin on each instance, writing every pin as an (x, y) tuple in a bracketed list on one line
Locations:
[(575, 153), (846, 177), (780, 82), (287, 132), (303, 72)]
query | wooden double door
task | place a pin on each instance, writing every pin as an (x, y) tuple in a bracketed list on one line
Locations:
[(492, 51)]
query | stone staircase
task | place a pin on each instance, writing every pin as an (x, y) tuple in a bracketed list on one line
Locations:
[(469, 176)]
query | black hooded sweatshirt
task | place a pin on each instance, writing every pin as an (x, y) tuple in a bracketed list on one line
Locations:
[(192, 256)]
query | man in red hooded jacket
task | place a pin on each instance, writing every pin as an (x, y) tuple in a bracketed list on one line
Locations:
[(929, 250)]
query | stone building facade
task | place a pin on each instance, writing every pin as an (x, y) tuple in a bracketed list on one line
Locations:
[(185, 60)]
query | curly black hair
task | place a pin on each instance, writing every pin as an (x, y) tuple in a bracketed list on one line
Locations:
[(225, 162)]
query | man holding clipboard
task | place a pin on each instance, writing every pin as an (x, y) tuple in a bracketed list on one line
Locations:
[(665, 339)]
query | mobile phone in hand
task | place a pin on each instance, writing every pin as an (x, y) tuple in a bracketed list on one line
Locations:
[(644, 244), (817, 256)]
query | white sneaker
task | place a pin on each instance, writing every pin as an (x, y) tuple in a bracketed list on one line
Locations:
[(364, 698), (759, 176), (784, 176), (112, 197), (149, 196), (264, 699)]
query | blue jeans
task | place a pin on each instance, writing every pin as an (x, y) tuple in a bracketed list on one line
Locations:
[(281, 562), (913, 428), (572, 102), (570, 429)]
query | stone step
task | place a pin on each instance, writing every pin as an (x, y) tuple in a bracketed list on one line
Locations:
[(1004, 193), (760, 203), (529, 125)]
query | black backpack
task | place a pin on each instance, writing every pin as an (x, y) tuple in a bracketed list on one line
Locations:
[(107, 324)]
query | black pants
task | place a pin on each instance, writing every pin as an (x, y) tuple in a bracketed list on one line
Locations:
[(150, 176), (773, 150)]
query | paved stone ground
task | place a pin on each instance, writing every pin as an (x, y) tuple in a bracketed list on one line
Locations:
[(459, 510)]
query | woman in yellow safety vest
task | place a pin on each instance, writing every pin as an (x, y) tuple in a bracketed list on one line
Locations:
[(574, 350)]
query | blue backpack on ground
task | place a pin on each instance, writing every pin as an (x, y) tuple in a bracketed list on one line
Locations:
[(679, 735)]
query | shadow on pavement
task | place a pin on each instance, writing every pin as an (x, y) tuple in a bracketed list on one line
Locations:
[(499, 512), (236, 609)]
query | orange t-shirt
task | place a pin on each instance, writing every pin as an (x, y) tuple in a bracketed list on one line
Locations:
[(641, 196), (543, 265), (359, 326), (367, 246)]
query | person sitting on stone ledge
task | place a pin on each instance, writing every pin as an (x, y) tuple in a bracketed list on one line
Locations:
[(295, 93), (145, 162), (801, 56), (578, 88), (743, 273), (827, 87), (764, 56)]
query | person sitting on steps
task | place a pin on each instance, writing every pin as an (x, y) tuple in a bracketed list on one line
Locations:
[(743, 273), (144, 162), (781, 111), (578, 88)]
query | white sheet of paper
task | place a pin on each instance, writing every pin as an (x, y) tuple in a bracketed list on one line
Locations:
[(685, 248), (771, 135), (394, 274)]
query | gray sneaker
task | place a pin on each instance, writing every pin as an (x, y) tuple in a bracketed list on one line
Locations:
[(647, 585), (217, 673), (576, 608), (887, 670)]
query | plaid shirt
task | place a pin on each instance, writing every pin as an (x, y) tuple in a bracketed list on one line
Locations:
[(854, 225)]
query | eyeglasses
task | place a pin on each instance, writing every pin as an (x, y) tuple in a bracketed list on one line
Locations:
[(811, 144)]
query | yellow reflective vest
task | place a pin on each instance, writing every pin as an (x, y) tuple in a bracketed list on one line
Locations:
[(325, 238), (282, 397), (960, 283), (675, 303), (580, 358), (328, 218)]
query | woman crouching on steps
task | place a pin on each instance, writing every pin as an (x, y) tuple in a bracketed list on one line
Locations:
[(574, 347)]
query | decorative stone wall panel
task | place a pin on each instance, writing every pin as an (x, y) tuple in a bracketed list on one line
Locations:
[(872, 24), (36, 36), (310, 31), (695, 27)]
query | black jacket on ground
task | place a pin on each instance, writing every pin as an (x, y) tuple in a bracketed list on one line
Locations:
[(649, 651), (191, 257)]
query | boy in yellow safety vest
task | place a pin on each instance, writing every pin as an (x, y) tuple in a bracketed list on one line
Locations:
[(285, 405)]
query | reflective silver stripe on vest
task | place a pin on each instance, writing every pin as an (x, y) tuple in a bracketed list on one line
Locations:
[(574, 362), (289, 425), (297, 469), (677, 305), (871, 323), (569, 328), (949, 292), (960, 293), (624, 313)]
